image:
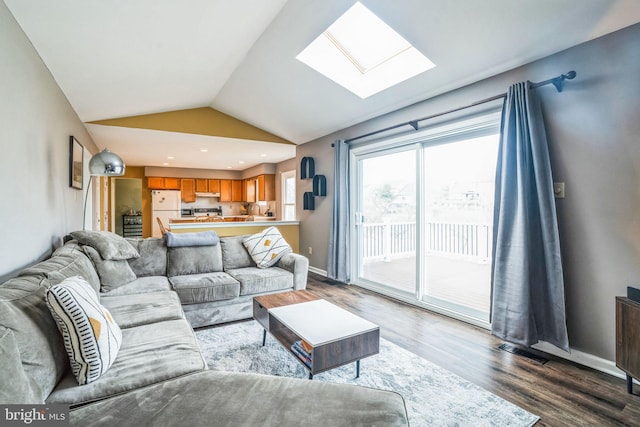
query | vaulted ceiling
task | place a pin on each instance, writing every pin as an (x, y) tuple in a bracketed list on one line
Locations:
[(116, 59)]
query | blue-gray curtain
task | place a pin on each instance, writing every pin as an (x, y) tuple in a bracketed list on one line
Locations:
[(339, 256), (527, 280)]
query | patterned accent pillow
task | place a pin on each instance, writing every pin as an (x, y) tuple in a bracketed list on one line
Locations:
[(91, 336), (267, 247)]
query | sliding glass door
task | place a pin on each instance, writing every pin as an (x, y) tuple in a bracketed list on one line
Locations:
[(458, 217), (386, 220), (423, 220)]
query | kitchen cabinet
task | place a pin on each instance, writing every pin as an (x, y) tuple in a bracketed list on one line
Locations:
[(202, 185), (250, 190), (261, 188), (172, 183), (225, 190), (266, 187), (188, 190), (158, 183), (155, 183), (213, 185), (236, 191)]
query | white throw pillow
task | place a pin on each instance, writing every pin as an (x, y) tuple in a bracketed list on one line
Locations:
[(91, 336), (267, 247)]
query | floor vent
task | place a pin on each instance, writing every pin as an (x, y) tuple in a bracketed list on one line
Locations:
[(521, 352)]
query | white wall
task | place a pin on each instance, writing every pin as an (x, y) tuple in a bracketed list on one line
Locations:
[(593, 128), (37, 205)]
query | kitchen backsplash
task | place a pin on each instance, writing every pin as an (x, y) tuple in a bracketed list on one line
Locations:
[(230, 208)]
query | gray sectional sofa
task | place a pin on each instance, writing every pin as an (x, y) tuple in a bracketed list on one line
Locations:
[(159, 376), (215, 283)]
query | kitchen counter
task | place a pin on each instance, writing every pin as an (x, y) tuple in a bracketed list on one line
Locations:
[(288, 229), (217, 218)]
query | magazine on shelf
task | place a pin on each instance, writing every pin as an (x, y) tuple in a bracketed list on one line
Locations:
[(296, 345), (303, 355)]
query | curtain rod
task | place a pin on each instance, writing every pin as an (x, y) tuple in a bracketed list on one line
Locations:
[(556, 81)]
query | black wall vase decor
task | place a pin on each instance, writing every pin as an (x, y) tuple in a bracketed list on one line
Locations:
[(320, 185), (309, 201), (307, 168)]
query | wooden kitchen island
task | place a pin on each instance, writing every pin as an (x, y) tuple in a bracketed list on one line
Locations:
[(290, 230)]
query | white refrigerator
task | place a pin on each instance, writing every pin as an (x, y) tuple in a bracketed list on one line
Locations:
[(165, 204)]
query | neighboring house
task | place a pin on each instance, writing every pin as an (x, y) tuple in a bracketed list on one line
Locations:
[(593, 129)]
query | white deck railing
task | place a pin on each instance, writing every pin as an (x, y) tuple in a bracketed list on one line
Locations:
[(386, 240)]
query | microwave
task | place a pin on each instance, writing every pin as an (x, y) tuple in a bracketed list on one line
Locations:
[(187, 212)]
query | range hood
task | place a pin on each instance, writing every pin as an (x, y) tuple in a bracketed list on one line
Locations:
[(198, 194)]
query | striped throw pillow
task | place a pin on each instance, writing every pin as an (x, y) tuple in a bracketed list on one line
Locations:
[(267, 247), (91, 336)]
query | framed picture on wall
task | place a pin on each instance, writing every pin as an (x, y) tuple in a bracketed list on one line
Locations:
[(76, 155)]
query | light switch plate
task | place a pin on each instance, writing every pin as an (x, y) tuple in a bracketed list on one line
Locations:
[(558, 190)]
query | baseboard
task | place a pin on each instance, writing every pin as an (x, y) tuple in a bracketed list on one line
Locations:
[(318, 271), (585, 359)]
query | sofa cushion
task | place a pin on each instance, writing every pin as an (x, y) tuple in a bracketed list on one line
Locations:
[(15, 385), (254, 280), (193, 260), (143, 309), (202, 238), (140, 286), (109, 245), (234, 254), (149, 354), (266, 247), (23, 310), (153, 256), (244, 399), (91, 337), (112, 273), (215, 312), (72, 262), (71, 248), (196, 288)]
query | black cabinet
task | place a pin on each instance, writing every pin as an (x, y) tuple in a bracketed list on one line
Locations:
[(132, 225)]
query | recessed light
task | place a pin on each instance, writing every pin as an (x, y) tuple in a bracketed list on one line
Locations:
[(229, 167), (263, 155), (360, 52), (204, 150), (170, 157), (241, 162), (165, 164)]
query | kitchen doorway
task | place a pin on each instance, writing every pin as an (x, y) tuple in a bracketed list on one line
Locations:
[(127, 206)]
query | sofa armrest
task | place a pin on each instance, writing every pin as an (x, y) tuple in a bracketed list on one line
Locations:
[(298, 265)]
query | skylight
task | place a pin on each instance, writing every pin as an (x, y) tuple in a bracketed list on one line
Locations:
[(363, 54)]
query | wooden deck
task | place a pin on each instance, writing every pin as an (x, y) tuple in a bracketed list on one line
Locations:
[(457, 280)]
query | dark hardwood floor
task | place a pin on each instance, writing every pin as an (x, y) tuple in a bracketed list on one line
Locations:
[(560, 392)]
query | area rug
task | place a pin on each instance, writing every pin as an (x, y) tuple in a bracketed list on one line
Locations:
[(433, 395)]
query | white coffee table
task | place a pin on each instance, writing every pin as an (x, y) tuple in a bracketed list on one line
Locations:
[(337, 337)]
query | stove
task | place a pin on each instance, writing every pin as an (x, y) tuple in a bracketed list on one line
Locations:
[(207, 211)]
